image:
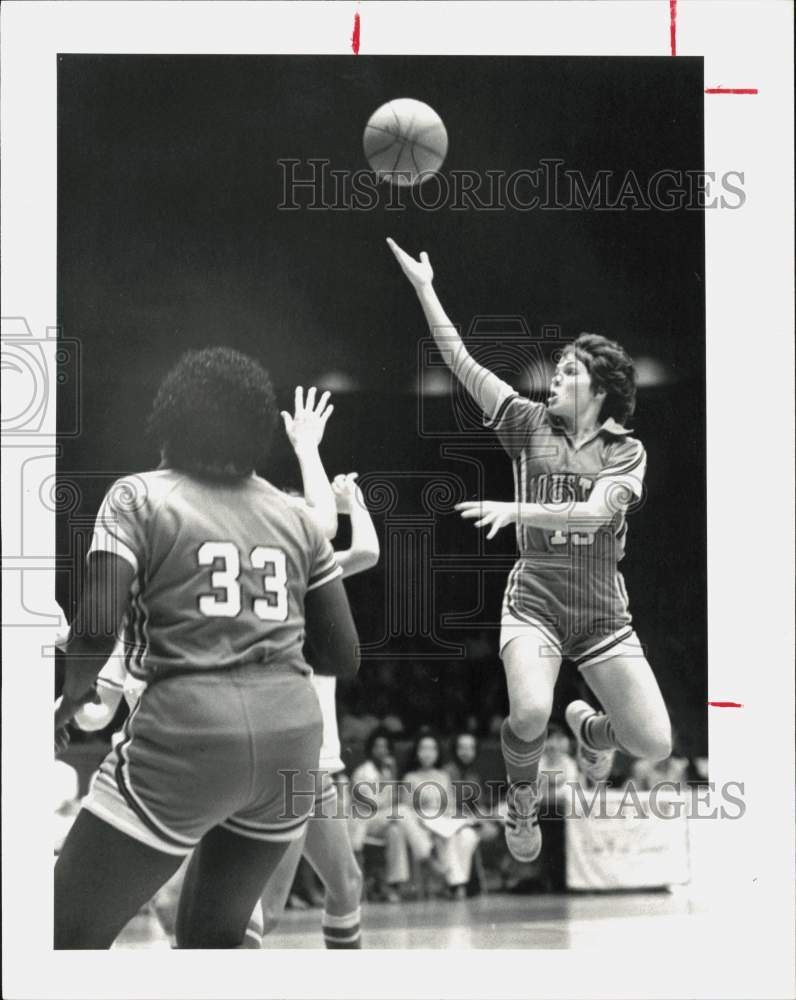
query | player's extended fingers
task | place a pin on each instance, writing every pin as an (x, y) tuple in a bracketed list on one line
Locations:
[(472, 512), (324, 416), (310, 404), (323, 401), (288, 420), (468, 505), (401, 256), (298, 400), (424, 258)]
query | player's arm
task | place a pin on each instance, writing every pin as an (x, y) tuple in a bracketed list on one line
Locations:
[(609, 496), (96, 715), (489, 391), (305, 432), (93, 635), (364, 551), (331, 634)]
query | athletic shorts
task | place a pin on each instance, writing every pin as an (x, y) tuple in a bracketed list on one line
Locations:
[(579, 610), (231, 748)]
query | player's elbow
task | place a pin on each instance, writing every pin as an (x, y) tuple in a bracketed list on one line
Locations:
[(368, 557), (337, 657)]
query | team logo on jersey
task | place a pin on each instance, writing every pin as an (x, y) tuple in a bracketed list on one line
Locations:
[(561, 487)]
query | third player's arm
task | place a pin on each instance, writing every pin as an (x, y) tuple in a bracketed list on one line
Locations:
[(484, 386), (364, 551)]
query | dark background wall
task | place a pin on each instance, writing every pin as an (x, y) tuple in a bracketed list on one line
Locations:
[(170, 238)]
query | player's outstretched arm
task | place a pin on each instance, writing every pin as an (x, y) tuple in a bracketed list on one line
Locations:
[(611, 495), (304, 429), (484, 386), (364, 551)]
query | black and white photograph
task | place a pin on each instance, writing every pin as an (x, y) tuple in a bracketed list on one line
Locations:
[(391, 598)]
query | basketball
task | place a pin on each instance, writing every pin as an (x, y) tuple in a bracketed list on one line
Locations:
[(405, 142)]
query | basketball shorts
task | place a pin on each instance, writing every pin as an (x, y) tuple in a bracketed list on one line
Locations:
[(578, 611), (234, 748)]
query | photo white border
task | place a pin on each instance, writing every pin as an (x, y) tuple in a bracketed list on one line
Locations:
[(749, 950)]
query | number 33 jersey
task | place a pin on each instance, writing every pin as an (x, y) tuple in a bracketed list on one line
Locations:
[(221, 570)]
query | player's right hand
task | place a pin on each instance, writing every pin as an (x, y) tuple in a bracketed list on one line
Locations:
[(346, 492), (419, 272), (306, 426)]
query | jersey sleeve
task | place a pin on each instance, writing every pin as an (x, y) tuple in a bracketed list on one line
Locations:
[(514, 420), (627, 465), (120, 527)]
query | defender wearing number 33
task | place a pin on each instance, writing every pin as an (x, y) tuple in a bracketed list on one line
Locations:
[(216, 581), (577, 471)]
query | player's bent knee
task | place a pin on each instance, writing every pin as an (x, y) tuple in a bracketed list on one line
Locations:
[(649, 745), (530, 721)]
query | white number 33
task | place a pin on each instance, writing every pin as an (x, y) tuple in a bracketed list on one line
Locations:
[(270, 608)]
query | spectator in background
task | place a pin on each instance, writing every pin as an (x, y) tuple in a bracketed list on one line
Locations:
[(433, 799), (470, 793), (468, 785), (373, 781)]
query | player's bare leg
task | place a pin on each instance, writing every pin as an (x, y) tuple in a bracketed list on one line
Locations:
[(635, 720), (223, 884), (102, 879), (328, 849), (271, 905), (531, 672)]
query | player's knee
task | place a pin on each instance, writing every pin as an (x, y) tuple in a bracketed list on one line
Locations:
[(649, 744), (352, 886), (530, 721)]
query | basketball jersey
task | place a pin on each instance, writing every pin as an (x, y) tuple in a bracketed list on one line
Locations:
[(549, 468), (221, 570)]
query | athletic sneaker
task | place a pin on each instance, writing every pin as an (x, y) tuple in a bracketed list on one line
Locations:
[(523, 836), (595, 764)]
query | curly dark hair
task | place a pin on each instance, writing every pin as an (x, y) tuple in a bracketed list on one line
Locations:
[(214, 414), (611, 368)]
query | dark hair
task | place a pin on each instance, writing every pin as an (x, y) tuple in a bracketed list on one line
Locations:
[(214, 414), (424, 734), (379, 733), (611, 368)]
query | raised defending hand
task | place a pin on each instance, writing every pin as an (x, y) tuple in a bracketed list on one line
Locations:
[(489, 512), (419, 272), (306, 426), (346, 492)]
